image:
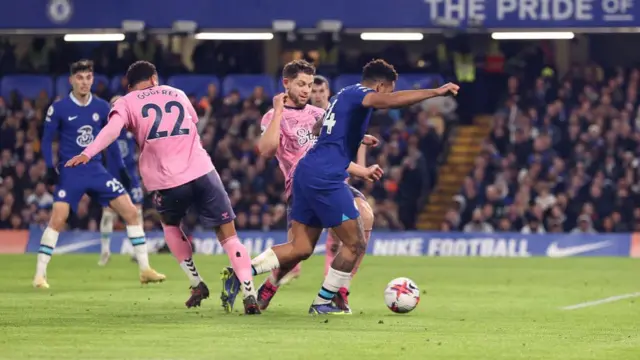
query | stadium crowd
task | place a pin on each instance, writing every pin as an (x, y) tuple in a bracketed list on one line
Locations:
[(562, 157), (229, 126)]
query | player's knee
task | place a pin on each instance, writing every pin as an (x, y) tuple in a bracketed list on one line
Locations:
[(366, 214), (130, 215), (59, 215)]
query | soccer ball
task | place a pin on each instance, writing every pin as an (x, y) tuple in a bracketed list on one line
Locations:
[(401, 295)]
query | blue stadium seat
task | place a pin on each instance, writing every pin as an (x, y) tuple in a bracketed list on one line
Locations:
[(345, 80), (115, 84), (193, 84), (28, 86), (245, 84), (63, 87), (418, 81)]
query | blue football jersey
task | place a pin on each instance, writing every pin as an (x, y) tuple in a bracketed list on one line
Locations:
[(343, 127), (127, 146), (77, 126)]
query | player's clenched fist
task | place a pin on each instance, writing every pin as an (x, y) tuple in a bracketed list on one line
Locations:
[(374, 173), (77, 160), (448, 88), (370, 140), (278, 101)]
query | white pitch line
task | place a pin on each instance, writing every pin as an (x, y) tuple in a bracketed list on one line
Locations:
[(601, 301)]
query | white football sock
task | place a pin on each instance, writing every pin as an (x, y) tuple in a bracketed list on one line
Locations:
[(332, 283), (265, 262), (136, 236), (106, 228), (47, 244), (189, 268)]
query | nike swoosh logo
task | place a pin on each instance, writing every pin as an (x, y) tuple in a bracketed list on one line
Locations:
[(72, 117), (557, 252), (64, 249)]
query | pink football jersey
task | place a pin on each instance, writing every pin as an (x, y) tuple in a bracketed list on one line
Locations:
[(163, 122), (296, 137)]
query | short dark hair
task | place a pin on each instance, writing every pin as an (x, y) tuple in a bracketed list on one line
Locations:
[(379, 70), (140, 71), (295, 67), (81, 66), (320, 80)]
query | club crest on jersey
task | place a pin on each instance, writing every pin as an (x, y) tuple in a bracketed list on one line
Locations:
[(62, 194), (95, 116), (305, 136)]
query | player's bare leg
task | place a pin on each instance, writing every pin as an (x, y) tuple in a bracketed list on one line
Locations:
[(285, 276), (351, 233), (366, 215), (333, 245), (125, 208), (59, 214), (268, 289), (239, 276)]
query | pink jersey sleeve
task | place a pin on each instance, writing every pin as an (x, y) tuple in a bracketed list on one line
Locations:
[(266, 120), (106, 136), (120, 107)]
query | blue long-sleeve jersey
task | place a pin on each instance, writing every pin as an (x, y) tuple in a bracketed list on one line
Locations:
[(77, 126), (127, 145)]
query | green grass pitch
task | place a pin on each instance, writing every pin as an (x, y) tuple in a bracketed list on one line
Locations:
[(471, 308)]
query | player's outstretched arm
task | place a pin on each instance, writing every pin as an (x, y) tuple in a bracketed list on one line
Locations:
[(270, 139), (105, 137), (406, 97)]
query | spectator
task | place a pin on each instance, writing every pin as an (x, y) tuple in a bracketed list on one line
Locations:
[(585, 225), (477, 224)]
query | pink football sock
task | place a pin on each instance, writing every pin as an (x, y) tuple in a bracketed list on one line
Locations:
[(178, 242), (239, 257)]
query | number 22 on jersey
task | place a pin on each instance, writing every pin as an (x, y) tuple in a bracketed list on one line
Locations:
[(329, 120), (154, 133)]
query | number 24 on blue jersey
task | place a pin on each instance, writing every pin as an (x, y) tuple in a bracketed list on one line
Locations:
[(329, 120)]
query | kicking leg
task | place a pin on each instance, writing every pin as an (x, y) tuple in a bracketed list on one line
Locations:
[(106, 228), (268, 289), (302, 241), (125, 208), (59, 214)]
